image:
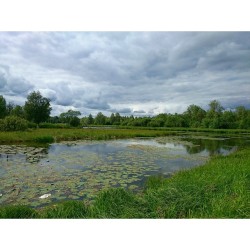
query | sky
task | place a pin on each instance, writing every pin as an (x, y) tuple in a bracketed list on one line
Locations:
[(133, 73)]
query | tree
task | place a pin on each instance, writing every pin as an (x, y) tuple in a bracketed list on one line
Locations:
[(90, 120), (17, 111), (194, 115), (74, 121), (100, 119), (243, 118), (69, 115), (214, 115), (215, 108), (2, 107), (37, 108)]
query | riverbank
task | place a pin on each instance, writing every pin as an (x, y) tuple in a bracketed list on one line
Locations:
[(49, 135), (67, 134), (218, 189)]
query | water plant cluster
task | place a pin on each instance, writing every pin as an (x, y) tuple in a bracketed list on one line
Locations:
[(80, 169), (219, 189)]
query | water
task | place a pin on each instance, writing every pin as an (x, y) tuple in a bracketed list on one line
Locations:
[(79, 170)]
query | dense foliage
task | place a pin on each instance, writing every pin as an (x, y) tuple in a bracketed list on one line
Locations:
[(216, 117), (13, 123), (37, 110)]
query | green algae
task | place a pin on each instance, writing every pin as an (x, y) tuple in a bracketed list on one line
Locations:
[(79, 174)]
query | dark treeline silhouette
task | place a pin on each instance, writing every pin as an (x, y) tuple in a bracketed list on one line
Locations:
[(36, 112)]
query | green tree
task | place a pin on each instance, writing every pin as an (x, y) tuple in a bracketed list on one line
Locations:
[(100, 119), (17, 111), (69, 115), (74, 121), (9, 108), (37, 108), (242, 116), (90, 120), (215, 108), (3, 109), (213, 116), (194, 116), (115, 119)]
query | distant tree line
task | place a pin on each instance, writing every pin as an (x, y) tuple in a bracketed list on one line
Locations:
[(215, 117), (36, 112)]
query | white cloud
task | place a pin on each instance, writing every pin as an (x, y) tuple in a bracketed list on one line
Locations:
[(152, 72)]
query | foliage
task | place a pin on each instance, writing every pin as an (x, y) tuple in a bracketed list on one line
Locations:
[(37, 108), (100, 119), (18, 111), (13, 123), (3, 109), (44, 139), (74, 122)]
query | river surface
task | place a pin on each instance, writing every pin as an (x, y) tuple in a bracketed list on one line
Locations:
[(80, 169)]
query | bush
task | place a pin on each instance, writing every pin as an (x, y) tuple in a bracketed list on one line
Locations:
[(74, 122), (32, 125), (44, 139), (53, 125), (13, 123)]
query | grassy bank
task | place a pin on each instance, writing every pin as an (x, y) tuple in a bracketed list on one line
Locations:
[(48, 135), (219, 189)]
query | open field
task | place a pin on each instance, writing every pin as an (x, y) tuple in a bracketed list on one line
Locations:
[(219, 189)]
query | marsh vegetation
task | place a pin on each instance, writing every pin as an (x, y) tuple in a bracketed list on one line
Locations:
[(89, 172)]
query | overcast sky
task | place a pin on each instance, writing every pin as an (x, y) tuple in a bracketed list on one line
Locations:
[(139, 73)]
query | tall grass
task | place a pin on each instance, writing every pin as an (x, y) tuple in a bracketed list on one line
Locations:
[(76, 134), (219, 189), (59, 134)]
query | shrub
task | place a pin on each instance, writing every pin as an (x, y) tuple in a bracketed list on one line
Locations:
[(74, 121), (13, 123), (44, 139), (53, 125), (32, 125)]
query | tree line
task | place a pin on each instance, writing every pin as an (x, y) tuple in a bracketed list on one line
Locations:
[(37, 109)]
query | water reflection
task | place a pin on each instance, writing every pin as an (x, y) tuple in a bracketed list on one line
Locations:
[(78, 170), (215, 146)]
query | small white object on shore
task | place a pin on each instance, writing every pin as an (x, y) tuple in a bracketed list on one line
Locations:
[(45, 196)]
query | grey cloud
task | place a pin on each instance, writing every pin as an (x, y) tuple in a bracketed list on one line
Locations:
[(169, 69), (121, 110), (3, 81), (97, 104), (19, 85), (139, 112), (13, 85)]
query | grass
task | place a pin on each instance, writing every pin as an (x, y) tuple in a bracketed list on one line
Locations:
[(219, 189), (48, 135)]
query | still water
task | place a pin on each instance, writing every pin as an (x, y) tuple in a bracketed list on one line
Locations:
[(79, 170)]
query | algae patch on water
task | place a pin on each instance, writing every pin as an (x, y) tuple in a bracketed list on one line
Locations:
[(79, 170)]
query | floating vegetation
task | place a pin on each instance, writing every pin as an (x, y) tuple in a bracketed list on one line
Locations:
[(80, 169)]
